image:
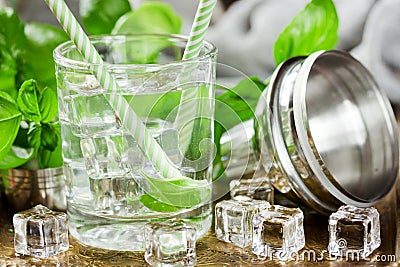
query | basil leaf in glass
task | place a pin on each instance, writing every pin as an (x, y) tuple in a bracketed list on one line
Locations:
[(155, 205), (179, 192)]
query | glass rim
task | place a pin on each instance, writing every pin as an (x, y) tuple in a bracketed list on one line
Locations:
[(60, 58)]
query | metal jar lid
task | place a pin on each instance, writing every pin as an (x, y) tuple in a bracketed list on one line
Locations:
[(327, 132)]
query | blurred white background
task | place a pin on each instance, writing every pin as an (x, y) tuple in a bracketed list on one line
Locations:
[(245, 31)]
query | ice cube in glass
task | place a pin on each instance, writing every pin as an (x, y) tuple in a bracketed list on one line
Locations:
[(170, 243), (278, 232), (40, 232), (233, 219), (354, 231)]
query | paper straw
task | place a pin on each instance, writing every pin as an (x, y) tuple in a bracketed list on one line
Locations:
[(128, 117), (200, 24), (187, 109)]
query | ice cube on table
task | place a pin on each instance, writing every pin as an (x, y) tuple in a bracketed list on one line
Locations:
[(256, 188), (40, 232), (233, 219), (278, 232), (170, 243), (354, 231)]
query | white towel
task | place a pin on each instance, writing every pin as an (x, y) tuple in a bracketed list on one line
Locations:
[(245, 35), (379, 50)]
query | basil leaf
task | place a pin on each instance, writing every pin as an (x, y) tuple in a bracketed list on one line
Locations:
[(154, 104), (38, 56), (37, 106), (179, 192), (10, 118), (12, 43), (22, 137), (234, 106), (241, 99), (16, 157), (155, 205), (49, 136), (99, 16), (150, 17), (8, 71), (314, 28), (27, 101), (11, 31), (51, 158), (34, 135), (48, 105)]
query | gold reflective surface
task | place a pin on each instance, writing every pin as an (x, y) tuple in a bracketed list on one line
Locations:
[(212, 252)]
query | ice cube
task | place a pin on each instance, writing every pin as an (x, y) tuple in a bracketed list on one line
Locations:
[(170, 243), (111, 172), (257, 188), (233, 219), (40, 232), (278, 232), (354, 231)]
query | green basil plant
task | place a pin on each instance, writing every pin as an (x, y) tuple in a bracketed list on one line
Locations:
[(29, 128), (29, 131)]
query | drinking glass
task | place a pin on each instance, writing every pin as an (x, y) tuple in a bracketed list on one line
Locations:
[(113, 189)]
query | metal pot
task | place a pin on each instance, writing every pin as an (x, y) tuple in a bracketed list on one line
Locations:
[(325, 133), (26, 188)]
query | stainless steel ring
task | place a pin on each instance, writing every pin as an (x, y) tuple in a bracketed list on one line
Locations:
[(324, 115)]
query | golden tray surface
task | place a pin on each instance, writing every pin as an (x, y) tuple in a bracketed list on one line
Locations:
[(212, 252)]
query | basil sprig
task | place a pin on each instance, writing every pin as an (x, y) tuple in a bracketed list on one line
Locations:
[(314, 28)]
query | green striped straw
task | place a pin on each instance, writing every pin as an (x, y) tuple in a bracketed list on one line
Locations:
[(195, 41), (128, 117), (200, 24)]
